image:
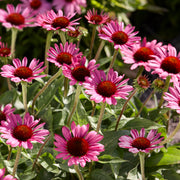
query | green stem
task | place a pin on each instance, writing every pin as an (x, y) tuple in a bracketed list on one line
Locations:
[(40, 150), (92, 41), (124, 107), (24, 94), (18, 155), (93, 108), (113, 60), (66, 86), (171, 135), (13, 41), (80, 176), (48, 43), (142, 163), (99, 49), (148, 98), (78, 91), (78, 42), (141, 69), (164, 90), (45, 87), (9, 154), (100, 117), (62, 37)]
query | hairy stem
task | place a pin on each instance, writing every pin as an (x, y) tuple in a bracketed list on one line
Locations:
[(13, 41), (80, 176), (100, 117), (40, 150), (48, 43), (24, 94), (92, 41), (168, 78), (142, 163), (45, 87), (124, 107), (78, 91), (99, 50), (18, 155), (62, 37)]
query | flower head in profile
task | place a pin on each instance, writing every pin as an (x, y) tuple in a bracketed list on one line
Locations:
[(63, 54), (167, 63), (79, 70), (140, 54), (120, 36), (5, 112), (21, 72), (94, 18), (19, 133), (139, 143), (37, 6), (79, 145), (69, 6), (5, 51), (104, 89), (54, 21), (7, 177), (173, 97), (18, 17)]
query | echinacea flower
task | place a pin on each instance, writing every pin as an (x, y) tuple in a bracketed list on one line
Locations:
[(140, 53), (139, 143), (104, 89), (37, 6), (69, 6), (19, 133), (94, 18), (173, 97), (7, 177), (63, 54), (54, 21), (79, 147), (167, 63), (20, 72), (4, 50), (120, 36), (5, 111), (16, 17), (78, 70)]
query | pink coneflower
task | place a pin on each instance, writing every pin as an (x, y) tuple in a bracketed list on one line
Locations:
[(69, 6), (16, 17), (7, 177), (105, 89), (63, 54), (140, 54), (78, 70), (167, 63), (52, 21), (37, 6), (80, 147), (173, 97), (139, 143), (94, 18), (122, 37), (4, 50), (20, 72), (22, 134), (5, 112)]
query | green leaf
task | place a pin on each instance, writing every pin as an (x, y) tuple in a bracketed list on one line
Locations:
[(138, 123), (169, 157), (104, 159), (99, 174), (47, 161), (32, 90), (49, 93), (8, 96)]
